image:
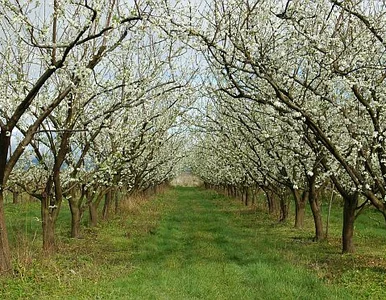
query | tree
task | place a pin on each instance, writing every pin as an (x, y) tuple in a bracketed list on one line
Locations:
[(33, 63), (311, 62)]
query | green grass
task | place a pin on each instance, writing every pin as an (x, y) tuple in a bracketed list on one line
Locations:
[(194, 244), (204, 249)]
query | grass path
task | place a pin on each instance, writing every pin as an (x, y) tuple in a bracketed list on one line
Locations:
[(187, 243), (206, 247)]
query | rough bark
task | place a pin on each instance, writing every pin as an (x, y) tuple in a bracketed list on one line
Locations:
[(350, 205)]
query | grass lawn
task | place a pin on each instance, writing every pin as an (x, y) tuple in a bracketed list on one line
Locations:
[(190, 243)]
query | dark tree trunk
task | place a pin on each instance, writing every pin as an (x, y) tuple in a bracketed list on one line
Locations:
[(107, 205), (350, 205), (283, 208), (271, 201), (300, 207)]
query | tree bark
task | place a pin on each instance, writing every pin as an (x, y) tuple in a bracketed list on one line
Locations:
[(246, 196), (48, 225), (5, 253), (300, 207), (350, 205), (315, 208), (107, 205), (271, 200), (75, 217), (283, 208), (93, 212)]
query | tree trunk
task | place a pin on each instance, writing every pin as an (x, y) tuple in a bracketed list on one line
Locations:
[(283, 208), (319, 234), (246, 197), (271, 200), (107, 205), (116, 201), (48, 226), (315, 208), (93, 212), (350, 205), (300, 207), (5, 253), (75, 217), (15, 197)]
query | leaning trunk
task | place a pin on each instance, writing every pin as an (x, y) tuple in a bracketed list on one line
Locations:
[(350, 205)]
